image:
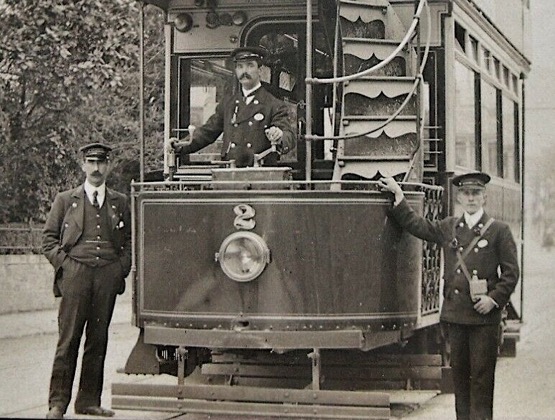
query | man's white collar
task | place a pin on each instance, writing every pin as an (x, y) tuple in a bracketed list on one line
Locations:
[(472, 219), (248, 92), (90, 189)]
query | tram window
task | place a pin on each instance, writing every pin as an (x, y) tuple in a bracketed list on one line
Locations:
[(465, 116), (286, 43), (510, 140), (490, 135), (202, 84)]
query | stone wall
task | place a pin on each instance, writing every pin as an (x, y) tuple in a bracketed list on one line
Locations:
[(26, 284)]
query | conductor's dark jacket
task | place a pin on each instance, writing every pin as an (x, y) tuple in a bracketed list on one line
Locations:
[(494, 257), (64, 227), (243, 126)]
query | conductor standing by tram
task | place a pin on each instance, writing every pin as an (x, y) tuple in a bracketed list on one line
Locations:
[(252, 119), (87, 239), (481, 272)]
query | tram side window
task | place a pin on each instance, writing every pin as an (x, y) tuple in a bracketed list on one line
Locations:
[(465, 120), (490, 130), (510, 140)]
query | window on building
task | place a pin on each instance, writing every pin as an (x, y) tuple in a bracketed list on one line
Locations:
[(487, 60), (460, 37), (474, 48), (497, 68)]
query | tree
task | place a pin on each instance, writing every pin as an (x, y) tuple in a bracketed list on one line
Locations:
[(68, 76)]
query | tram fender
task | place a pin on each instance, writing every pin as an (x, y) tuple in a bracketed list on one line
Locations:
[(143, 359)]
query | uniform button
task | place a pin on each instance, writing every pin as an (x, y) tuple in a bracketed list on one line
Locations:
[(235, 125), (250, 122), (98, 248), (456, 291), (461, 248), (461, 224), (97, 258), (249, 145), (232, 145), (98, 226), (458, 271), (66, 225), (475, 249), (97, 215), (98, 237)]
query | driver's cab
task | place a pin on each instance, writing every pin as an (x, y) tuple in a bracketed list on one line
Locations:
[(200, 79)]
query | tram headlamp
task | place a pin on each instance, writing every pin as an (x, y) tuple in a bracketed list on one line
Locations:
[(183, 22), (243, 256)]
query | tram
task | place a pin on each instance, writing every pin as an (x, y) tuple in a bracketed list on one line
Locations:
[(287, 291)]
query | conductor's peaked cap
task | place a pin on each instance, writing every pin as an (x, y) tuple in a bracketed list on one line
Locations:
[(472, 180)]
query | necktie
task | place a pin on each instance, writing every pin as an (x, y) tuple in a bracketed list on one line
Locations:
[(95, 200)]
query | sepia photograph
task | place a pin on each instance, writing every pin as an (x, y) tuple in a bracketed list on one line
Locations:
[(277, 209)]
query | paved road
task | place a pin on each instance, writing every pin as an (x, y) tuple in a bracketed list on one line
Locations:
[(525, 385)]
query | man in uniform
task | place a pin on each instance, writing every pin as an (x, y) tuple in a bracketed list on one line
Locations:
[(252, 120), (481, 271), (87, 238)]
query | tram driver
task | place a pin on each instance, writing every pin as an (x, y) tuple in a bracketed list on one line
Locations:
[(252, 119)]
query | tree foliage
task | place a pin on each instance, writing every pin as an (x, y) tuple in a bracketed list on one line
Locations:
[(69, 76)]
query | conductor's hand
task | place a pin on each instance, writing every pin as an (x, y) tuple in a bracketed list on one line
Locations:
[(389, 184), (274, 134), (484, 305)]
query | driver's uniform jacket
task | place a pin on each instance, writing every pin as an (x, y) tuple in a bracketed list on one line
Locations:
[(243, 127), (494, 257)]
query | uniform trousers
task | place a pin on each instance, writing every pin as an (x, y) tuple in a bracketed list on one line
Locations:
[(87, 303), (473, 360)]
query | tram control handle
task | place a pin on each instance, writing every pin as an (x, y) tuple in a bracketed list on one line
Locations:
[(176, 144)]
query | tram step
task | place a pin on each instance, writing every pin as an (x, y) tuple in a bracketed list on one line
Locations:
[(242, 400)]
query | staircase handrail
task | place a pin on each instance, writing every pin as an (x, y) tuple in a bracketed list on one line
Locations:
[(405, 40), (417, 80)]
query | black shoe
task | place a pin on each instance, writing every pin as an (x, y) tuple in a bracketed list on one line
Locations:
[(55, 413), (95, 411)]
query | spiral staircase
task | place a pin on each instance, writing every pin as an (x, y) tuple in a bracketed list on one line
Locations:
[(378, 131)]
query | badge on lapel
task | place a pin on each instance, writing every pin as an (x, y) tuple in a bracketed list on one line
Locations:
[(482, 243)]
